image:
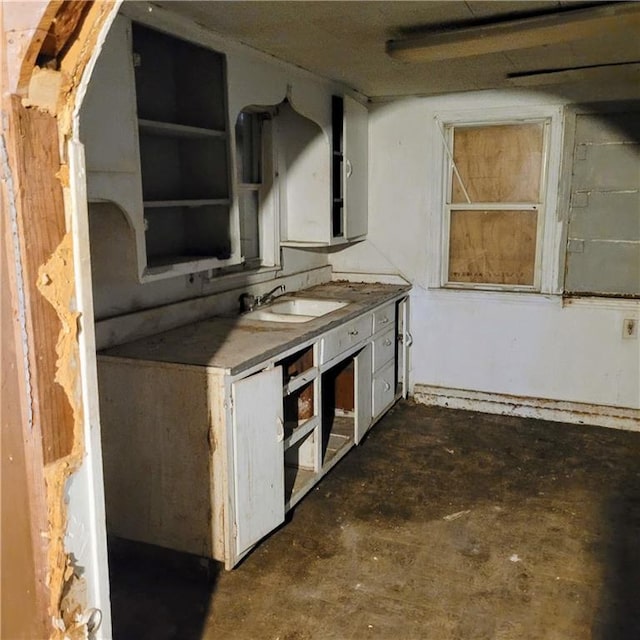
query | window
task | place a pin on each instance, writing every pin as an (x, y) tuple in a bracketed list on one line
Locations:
[(494, 204), (256, 196)]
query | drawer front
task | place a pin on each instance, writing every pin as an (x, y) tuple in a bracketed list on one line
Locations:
[(384, 391), (344, 337), (384, 349), (385, 317)]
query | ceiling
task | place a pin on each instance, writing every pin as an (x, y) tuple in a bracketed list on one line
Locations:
[(345, 41)]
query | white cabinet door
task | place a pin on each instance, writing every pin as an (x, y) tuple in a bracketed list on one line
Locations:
[(363, 404), (258, 456), (356, 154)]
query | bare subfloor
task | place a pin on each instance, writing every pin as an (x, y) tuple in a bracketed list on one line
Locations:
[(444, 524)]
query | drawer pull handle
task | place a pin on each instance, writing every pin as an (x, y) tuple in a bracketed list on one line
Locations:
[(384, 320), (353, 332), (387, 343), (387, 386)]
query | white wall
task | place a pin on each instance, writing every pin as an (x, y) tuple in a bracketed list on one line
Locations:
[(503, 343)]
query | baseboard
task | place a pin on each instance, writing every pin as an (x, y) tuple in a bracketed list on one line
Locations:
[(524, 407)]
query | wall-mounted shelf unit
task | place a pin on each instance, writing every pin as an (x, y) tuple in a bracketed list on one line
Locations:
[(157, 107)]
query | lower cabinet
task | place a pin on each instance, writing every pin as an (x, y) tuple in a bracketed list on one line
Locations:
[(201, 461)]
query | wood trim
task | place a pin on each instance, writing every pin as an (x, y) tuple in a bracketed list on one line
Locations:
[(33, 135), (24, 513), (527, 407)]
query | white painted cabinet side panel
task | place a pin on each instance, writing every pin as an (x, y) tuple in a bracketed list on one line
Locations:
[(108, 126), (356, 153), (258, 456), (304, 166)]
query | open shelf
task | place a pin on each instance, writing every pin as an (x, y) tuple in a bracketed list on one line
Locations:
[(161, 204), (183, 168), (338, 440), (178, 81), (184, 234), (295, 432), (297, 482), (172, 129), (183, 140)]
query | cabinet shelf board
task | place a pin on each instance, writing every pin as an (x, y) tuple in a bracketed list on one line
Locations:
[(161, 204), (340, 440), (298, 483), (172, 129), (300, 431), (300, 380)]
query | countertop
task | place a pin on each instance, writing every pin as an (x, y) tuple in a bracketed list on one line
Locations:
[(238, 343)]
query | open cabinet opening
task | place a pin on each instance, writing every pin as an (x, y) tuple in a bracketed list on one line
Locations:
[(338, 409)]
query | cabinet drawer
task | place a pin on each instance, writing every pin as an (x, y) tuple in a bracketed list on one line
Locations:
[(344, 337), (385, 317), (384, 349), (384, 391)]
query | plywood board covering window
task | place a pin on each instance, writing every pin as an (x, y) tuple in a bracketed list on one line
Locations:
[(493, 246), (494, 204)]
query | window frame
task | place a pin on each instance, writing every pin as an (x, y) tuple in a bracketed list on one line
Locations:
[(551, 227)]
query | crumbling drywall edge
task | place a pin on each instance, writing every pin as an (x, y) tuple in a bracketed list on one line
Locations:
[(56, 282)]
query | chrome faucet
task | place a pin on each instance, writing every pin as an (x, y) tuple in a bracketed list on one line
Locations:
[(269, 296), (248, 302)]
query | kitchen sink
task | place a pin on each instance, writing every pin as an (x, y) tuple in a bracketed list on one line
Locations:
[(295, 310)]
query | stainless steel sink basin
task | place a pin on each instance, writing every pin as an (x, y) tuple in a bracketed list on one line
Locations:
[(295, 310)]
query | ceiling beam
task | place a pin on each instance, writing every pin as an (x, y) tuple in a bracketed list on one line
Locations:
[(525, 33), (601, 74)]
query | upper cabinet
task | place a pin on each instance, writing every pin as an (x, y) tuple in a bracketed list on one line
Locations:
[(155, 124), (325, 187), (184, 151)]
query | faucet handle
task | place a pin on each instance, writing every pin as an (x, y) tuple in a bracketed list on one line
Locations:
[(247, 302)]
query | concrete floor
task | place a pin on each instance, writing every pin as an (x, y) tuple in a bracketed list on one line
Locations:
[(443, 525)]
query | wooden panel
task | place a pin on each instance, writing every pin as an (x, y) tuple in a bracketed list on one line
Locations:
[(41, 222), (384, 392), (609, 268), (606, 167), (258, 456), (23, 561), (356, 154), (493, 247), (345, 393), (605, 215), (108, 126), (604, 223), (498, 163), (156, 453)]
